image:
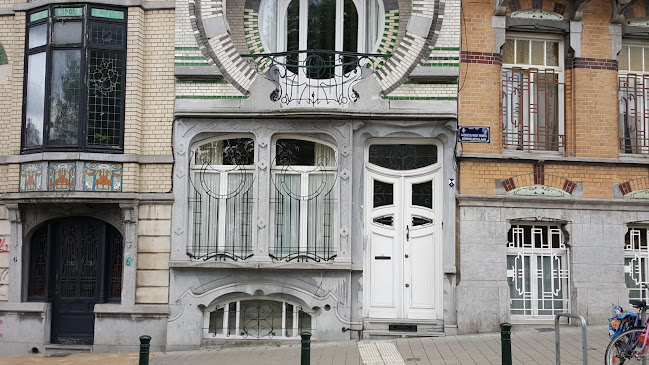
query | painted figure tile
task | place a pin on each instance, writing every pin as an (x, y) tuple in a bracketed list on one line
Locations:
[(31, 177), (62, 176), (103, 177)]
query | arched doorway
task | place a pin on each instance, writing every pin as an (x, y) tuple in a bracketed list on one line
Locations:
[(75, 263)]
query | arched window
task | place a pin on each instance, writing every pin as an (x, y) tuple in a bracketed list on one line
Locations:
[(303, 200), (315, 32), (221, 197), (256, 318)]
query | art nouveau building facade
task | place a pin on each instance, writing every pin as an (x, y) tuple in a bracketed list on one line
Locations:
[(553, 212), (313, 147)]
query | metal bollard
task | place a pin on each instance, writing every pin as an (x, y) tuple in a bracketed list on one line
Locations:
[(506, 343), (306, 348), (144, 349)]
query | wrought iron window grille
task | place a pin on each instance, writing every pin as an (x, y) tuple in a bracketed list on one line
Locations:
[(257, 319), (315, 77), (634, 113), (221, 205), (531, 105), (636, 262), (319, 201), (538, 272)]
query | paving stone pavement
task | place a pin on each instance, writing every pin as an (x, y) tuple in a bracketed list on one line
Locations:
[(532, 346)]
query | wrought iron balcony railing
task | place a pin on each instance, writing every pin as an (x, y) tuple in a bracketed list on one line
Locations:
[(316, 77)]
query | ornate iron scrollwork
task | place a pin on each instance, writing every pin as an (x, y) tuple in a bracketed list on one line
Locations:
[(315, 77)]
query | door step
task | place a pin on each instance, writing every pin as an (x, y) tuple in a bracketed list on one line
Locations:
[(399, 328), (58, 349)]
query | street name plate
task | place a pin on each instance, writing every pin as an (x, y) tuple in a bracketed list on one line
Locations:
[(473, 134)]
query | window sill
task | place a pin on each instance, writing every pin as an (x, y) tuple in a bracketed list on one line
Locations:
[(257, 265), (117, 310)]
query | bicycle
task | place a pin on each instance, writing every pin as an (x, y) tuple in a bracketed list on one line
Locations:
[(631, 345)]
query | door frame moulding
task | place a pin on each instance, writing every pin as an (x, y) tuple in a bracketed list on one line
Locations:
[(436, 172)]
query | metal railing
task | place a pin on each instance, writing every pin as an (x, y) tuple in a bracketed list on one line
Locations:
[(315, 77), (531, 103), (557, 336)]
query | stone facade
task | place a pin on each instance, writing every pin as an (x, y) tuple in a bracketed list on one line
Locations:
[(129, 190)]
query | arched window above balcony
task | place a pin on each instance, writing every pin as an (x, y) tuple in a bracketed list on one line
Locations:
[(328, 25)]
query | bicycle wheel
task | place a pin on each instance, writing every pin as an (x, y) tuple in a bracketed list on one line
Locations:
[(622, 349)]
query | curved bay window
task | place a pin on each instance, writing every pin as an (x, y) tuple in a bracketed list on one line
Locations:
[(75, 78), (256, 319), (221, 199), (303, 200)]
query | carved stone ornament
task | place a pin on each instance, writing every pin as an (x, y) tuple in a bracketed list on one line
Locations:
[(618, 8), (14, 213), (129, 214)]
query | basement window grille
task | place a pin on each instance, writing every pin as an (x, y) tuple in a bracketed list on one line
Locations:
[(537, 271)]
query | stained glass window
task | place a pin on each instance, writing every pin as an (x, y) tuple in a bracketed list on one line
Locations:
[(81, 52), (403, 156)]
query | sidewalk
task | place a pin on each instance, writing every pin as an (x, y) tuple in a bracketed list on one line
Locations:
[(529, 347)]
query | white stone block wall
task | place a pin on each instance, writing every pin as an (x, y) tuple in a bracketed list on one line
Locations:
[(154, 246)]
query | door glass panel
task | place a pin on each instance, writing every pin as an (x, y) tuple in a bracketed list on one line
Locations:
[(383, 194), (420, 221), (403, 156), (387, 220), (422, 194)]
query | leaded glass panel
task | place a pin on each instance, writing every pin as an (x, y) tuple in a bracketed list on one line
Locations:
[(403, 156), (105, 34), (105, 98)]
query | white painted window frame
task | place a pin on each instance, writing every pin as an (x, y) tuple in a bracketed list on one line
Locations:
[(305, 172), (237, 335), (223, 171)]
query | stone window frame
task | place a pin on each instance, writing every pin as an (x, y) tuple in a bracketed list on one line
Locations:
[(227, 304), (304, 253), (526, 67), (87, 19), (222, 170)]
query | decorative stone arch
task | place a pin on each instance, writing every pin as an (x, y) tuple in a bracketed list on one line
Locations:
[(539, 184), (211, 29)]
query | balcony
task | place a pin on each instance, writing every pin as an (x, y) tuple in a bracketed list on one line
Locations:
[(315, 78)]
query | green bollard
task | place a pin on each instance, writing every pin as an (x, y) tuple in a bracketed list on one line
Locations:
[(306, 348), (506, 342), (144, 349)]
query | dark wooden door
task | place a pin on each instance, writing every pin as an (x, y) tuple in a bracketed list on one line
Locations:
[(78, 265)]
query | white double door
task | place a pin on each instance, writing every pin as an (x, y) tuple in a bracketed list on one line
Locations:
[(403, 252)]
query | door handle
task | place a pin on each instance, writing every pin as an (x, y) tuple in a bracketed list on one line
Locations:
[(407, 233)]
